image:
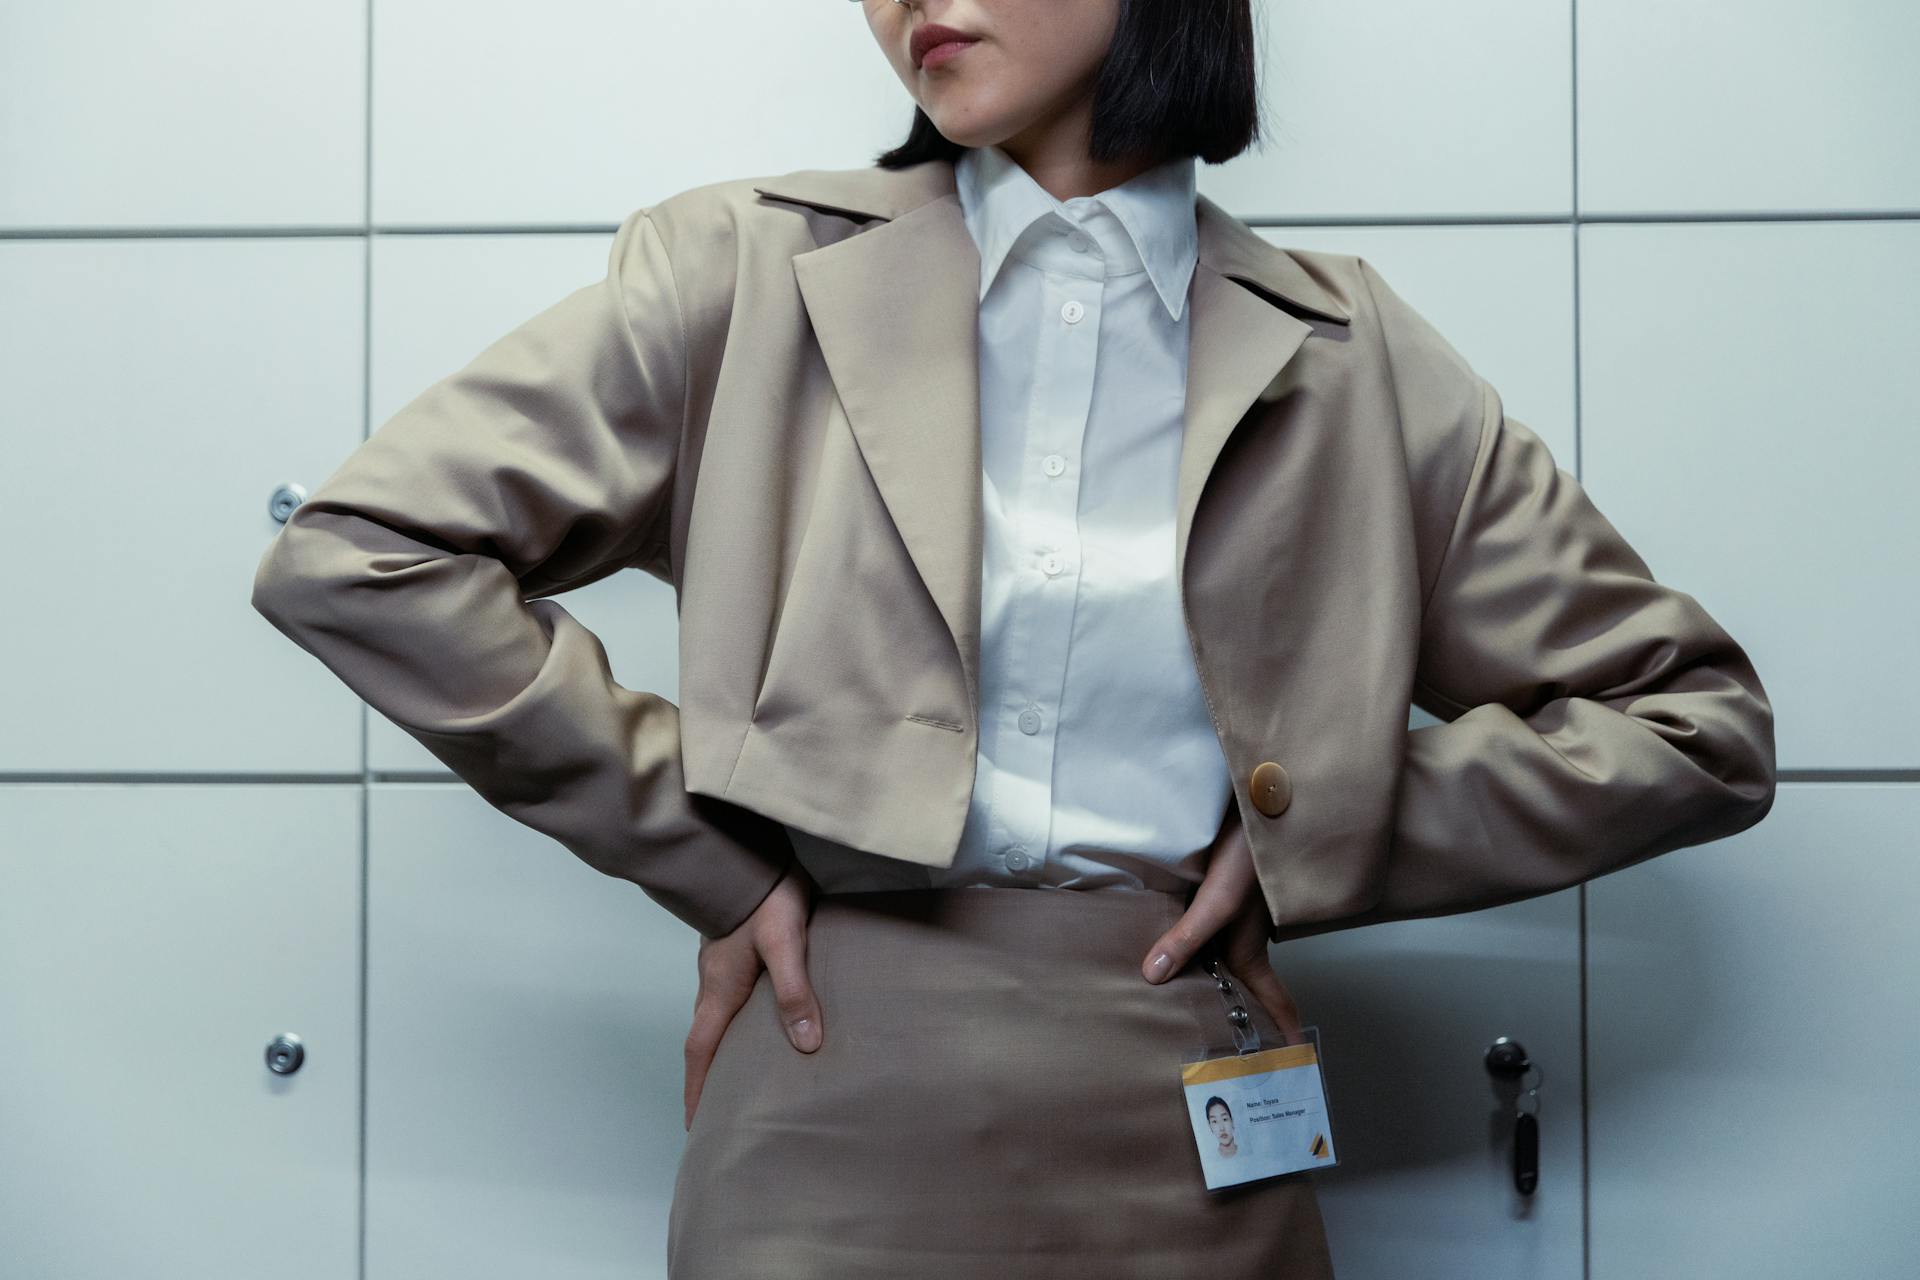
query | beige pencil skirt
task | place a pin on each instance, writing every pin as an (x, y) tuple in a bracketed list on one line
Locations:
[(997, 1097)]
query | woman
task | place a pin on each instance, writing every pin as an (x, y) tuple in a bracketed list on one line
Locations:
[(1021, 507), (1075, 94)]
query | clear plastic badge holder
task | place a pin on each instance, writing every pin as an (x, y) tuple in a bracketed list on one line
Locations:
[(1257, 1111)]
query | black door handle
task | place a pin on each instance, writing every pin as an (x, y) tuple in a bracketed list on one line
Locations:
[(1507, 1060)]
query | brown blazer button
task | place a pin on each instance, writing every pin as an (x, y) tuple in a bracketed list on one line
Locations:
[(1272, 788)]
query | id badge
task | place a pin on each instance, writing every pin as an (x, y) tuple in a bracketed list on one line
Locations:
[(1257, 1111)]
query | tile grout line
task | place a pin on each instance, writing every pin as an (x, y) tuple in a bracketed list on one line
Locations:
[(427, 777), (366, 757), (1583, 956), (368, 228)]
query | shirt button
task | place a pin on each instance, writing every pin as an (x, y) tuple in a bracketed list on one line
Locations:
[(1072, 312), (1029, 721), (1016, 860), (1053, 464), (1051, 564), (1079, 241)]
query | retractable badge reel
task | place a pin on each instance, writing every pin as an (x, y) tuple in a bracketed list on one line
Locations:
[(1257, 1111)]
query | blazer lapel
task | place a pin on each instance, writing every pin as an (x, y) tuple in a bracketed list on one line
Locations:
[(895, 311), (1237, 344)]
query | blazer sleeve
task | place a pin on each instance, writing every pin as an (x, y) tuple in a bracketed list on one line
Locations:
[(1593, 717), (416, 572)]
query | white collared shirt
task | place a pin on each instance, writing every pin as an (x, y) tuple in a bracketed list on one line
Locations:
[(1098, 766)]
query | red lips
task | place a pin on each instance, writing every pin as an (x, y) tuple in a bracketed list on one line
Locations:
[(933, 35)]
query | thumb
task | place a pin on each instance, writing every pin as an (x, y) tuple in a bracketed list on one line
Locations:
[(785, 955), (1214, 904)]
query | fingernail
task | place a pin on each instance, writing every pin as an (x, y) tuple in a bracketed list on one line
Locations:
[(1158, 969), (805, 1036)]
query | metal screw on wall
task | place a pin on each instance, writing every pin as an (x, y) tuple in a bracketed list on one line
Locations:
[(285, 1053), (285, 499)]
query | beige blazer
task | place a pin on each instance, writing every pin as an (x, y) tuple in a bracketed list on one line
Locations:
[(771, 401)]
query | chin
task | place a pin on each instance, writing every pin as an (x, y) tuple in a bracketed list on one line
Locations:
[(968, 129)]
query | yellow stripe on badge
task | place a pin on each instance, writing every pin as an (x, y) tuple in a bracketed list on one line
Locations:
[(1248, 1064), (1319, 1147)]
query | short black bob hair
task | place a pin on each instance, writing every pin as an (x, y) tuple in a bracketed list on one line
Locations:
[(1178, 80)]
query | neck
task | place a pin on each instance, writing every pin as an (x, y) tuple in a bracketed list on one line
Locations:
[(1054, 154)]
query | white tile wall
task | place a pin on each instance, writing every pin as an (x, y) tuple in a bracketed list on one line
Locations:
[(155, 392), (581, 109), (1754, 1022), (192, 113), (524, 1021), (1781, 106), (155, 940), (1407, 109)]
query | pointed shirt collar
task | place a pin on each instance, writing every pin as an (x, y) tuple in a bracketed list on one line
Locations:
[(1146, 222)]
